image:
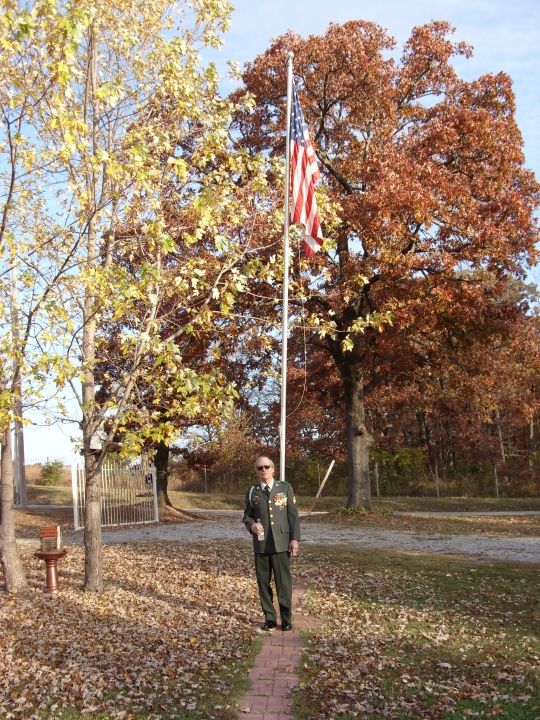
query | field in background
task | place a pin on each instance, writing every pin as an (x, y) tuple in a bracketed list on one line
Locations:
[(53, 495), (49, 494), (34, 473), (385, 512)]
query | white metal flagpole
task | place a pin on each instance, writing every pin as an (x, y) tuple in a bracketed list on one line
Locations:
[(285, 303)]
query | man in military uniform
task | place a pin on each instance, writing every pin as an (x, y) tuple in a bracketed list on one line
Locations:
[(271, 516)]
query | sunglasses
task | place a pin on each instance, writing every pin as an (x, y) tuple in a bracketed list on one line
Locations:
[(263, 467)]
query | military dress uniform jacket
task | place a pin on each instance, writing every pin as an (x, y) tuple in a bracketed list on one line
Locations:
[(278, 515)]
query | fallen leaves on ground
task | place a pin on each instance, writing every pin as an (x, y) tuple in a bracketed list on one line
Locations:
[(496, 525), (166, 639), (29, 521), (408, 637), (418, 637), (516, 525)]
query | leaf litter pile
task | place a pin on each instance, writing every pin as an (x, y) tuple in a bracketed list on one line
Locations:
[(418, 636), (397, 636), (168, 638)]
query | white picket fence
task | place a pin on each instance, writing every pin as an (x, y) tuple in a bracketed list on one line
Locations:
[(128, 493)]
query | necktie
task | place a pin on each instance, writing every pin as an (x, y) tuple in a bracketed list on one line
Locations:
[(267, 491)]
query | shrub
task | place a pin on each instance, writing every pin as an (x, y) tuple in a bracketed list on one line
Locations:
[(51, 472)]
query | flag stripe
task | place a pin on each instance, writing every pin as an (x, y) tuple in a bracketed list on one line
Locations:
[(304, 174)]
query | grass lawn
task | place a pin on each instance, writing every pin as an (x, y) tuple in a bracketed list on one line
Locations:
[(61, 495), (49, 494), (399, 636), (386, 504), (496, 525), (419, 636)]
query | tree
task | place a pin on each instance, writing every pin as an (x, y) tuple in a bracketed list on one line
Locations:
[(141, 116), (190, 392), (134, 138), (34, 245), (449, 402), (427, 173)]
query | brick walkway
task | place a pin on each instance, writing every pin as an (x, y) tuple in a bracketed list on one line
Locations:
[(273, 675)]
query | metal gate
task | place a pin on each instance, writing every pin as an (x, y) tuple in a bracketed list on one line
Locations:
[(128, 493)]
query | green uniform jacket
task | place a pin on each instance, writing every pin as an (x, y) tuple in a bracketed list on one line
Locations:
[(278, 514)]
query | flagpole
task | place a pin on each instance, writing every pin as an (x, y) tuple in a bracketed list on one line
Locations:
[(285, 302)]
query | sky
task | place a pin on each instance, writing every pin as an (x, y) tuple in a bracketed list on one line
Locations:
[(504, 35)]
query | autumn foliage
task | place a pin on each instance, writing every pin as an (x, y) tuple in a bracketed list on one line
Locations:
[(435, 209)]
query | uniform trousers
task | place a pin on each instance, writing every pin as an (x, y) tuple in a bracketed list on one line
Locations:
[(277, 565)]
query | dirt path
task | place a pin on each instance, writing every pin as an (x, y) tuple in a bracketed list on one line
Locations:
[(227, 526)]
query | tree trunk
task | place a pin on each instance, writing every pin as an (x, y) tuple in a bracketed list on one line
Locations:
[(442, 464), (359, 439), (12, 566), (93, 555), (436, 478), (530, 444), (501, 442), (430, 453), (18, 445), (93, 561), (161, 461), (22, 498)]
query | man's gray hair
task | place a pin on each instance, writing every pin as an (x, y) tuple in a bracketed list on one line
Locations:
[(265, 457)]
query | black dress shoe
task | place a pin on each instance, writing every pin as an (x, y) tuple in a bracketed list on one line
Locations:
[(286, 626), (268, 625)]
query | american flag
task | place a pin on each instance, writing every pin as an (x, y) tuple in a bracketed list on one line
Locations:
[(304, 175)]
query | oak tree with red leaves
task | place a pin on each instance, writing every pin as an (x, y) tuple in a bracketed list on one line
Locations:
[(427, 173), (468, 404)]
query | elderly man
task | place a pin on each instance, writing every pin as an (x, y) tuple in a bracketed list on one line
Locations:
[(271, 516)]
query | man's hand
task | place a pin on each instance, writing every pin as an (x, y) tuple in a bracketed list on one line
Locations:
[(256, 528), (293, 547)]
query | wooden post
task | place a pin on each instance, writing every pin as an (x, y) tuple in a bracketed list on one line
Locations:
[(319, 491)]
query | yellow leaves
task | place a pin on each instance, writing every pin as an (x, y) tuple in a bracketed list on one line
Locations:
[(22, 26), (110, 92), (214, 16), (103, 152), (227, 301), (359, 325), (179, 166)]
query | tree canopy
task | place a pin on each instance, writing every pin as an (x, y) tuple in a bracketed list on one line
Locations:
[(426, 173)]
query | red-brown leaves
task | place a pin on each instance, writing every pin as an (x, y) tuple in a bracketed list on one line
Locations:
[(163, 638)]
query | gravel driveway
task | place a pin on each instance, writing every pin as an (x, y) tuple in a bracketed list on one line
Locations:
[(228, 526)]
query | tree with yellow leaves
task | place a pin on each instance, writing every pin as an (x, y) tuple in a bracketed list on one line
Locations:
[(135, 141)]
